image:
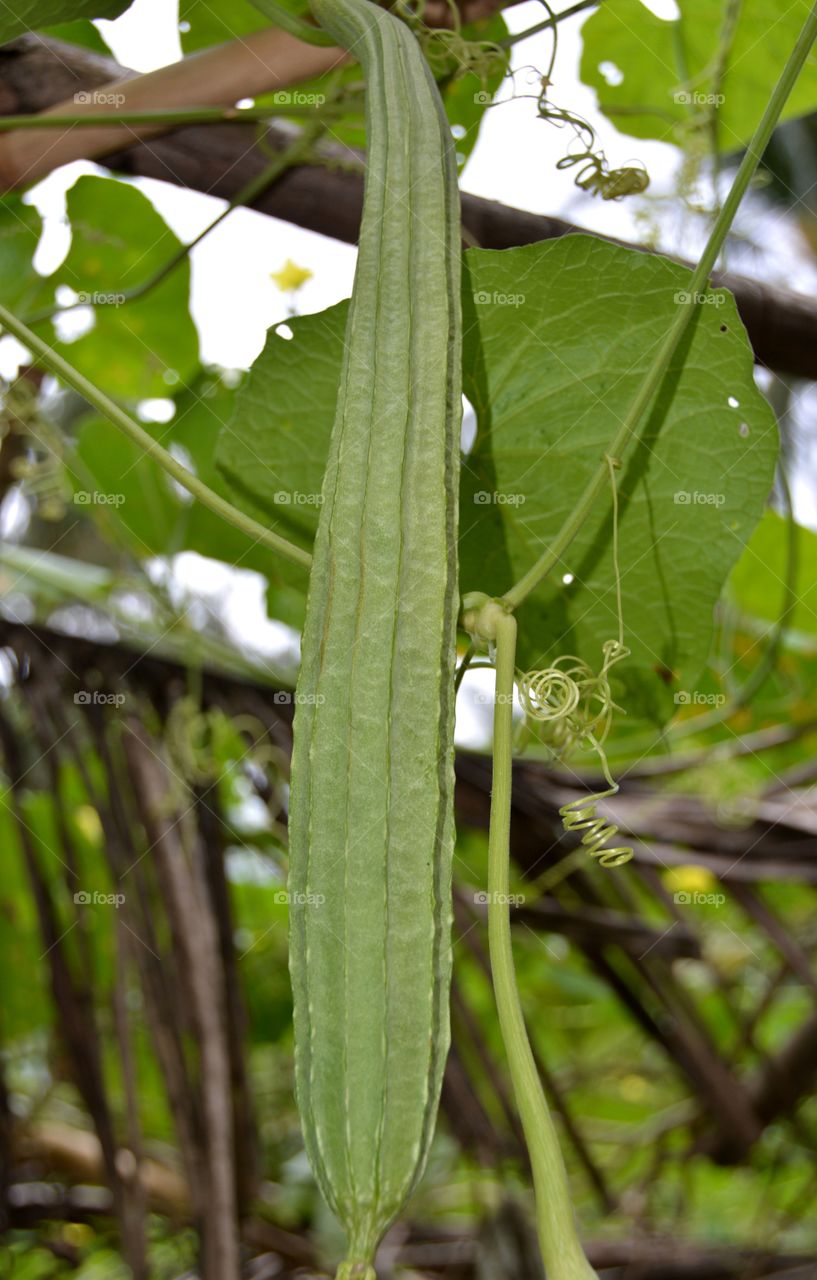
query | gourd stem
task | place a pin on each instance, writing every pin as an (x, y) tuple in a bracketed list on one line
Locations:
[(696, 290), (355, 1271), (561, 1249), (115, 414)]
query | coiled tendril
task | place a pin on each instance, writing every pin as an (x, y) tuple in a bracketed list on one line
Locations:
[(594, 174), (577, 706), (447, 51)]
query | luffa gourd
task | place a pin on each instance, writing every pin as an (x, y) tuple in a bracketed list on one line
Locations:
[(371, 811)]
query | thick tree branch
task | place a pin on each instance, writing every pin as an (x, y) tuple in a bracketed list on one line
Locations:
[(218, 77)]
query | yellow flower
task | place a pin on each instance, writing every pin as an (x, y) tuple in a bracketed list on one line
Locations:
[(690, 879), (291, 276), (88, 822), (633, 1088)]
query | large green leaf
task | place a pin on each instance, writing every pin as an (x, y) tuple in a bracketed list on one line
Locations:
[(273, 452), (558, 338), (33, 15), (657, 78), (206, 22), (137, 348), (82, 32)]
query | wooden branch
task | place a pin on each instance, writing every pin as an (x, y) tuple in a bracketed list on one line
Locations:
[(221, 159), (218, 77), (193, 927), (255, 64)]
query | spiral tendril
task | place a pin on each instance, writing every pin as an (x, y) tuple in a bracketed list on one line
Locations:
[(594, 174), (447, 51), (576, 705)]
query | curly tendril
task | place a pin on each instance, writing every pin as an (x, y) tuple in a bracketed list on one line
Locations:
[(576, 706), (594, 174), (447, 51), (580, 816)]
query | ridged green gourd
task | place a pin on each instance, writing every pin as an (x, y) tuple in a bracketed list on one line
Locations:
[(371, 805)]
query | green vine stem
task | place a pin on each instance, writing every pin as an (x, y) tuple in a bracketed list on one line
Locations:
[(114, 413), (249, 192), (549, 23), (559, 1242), (164, 116), (697, 286), (492, 622)]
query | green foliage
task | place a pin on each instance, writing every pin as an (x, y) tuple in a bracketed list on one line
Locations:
[(82, 33), (25, 1009), (558, 337), (153, 514), (33, 15), (550, 367), (274, 452), (207, 22), (140, 348), (670, 81), (465, 94), (758, 582), (552, 363)]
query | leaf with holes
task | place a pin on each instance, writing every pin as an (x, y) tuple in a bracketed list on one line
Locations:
[(666, 79), (558, 338)]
